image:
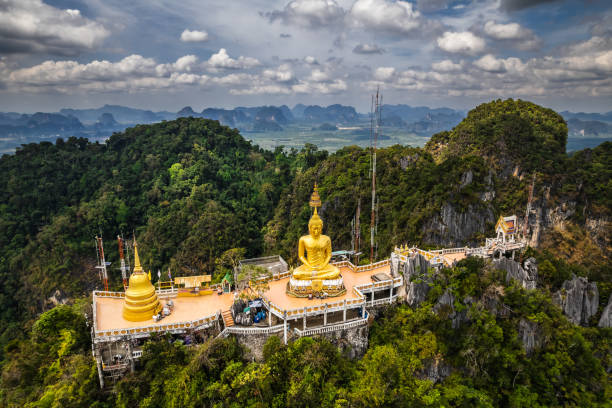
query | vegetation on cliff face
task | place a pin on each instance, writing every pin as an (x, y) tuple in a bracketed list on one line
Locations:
[(192, 189)]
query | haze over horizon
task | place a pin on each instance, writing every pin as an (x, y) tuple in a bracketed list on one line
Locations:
[(159, 56)]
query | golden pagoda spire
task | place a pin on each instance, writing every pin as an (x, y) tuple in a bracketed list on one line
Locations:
[(137, 267), (315, 199)]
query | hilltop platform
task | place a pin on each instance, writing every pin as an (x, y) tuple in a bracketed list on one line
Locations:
[(188, 312), (203, 311)]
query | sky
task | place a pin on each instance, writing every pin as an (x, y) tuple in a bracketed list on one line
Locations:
[(164, 55)]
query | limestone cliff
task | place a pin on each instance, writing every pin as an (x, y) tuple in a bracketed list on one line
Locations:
[(606, 316), (525, 275), (416, 279), (451, 227), (578, 298)]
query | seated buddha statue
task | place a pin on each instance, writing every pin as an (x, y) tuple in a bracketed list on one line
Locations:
[(318, 253)]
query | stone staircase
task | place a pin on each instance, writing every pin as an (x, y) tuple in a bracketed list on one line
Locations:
[(228, 320)]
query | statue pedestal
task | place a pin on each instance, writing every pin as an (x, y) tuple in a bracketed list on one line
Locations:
[(316, 287)]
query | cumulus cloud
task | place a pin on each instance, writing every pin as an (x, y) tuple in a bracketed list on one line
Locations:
[(514, 33), (132, 73), (221, 60), (368, 49), (446, 66), (461, 42), (583, 69), (308, 13), (283, 73), (194, 36), (311, 87), (310, 60), (384, 73), (593, 44), (385, 15), (490, 64), (31, 26), (319, 76)]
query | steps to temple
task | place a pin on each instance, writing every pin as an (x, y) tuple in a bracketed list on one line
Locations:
[(228, 320)]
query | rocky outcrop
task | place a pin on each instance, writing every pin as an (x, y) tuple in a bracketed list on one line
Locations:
[(453, 228), (578, 299), (58, 298), (526, 276), (445, 307), (417, 280), (352, 342), (434, 370), (606, 316), (529, 335)]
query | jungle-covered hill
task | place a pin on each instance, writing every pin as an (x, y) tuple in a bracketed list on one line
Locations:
[(191, 189)]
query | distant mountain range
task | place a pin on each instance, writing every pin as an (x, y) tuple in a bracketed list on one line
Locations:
[(100, 123)]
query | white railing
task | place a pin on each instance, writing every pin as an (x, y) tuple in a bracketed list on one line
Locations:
[(384, 301), (254, 330), (173, 292), (207, 321), (109, 294), (332, 328)]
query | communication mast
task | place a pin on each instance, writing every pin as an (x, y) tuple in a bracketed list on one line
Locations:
[(102, 264), (375, 123), (125, 267), (357, 232)]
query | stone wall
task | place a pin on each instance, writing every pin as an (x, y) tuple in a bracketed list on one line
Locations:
[(353, 342), (254, 343)]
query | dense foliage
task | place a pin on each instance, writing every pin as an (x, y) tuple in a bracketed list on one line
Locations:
[(520, 132), (416, 357), (191, 189), (199, 197)]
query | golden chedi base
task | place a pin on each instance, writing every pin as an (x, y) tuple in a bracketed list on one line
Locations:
[(316, 287), (141, 301)]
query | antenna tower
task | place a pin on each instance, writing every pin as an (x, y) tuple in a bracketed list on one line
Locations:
[(357, 232), (102, 264), (124, 266), (375, 121)]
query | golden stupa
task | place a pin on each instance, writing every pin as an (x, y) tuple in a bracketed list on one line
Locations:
[(141, 301), (315, 275)]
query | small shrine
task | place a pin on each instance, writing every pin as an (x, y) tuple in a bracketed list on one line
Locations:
[(316, 276), (506, 228)]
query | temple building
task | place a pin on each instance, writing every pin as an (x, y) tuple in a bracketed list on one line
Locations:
[(506, 228), (317, 298)]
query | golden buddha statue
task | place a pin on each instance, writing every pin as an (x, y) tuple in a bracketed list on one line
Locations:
[(316, 274), (141, 301), (315, 265)]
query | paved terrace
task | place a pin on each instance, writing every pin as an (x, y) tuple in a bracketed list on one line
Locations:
[(357, 280), (188, 312), (191, 312)]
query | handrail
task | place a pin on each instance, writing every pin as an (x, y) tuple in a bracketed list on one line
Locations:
[(254, 330), (192, 324), (334, 327)]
